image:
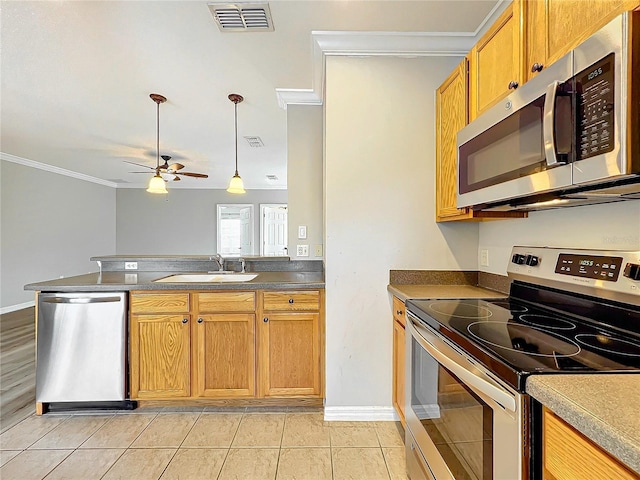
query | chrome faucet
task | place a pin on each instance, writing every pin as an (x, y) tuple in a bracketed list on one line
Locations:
[(243, 264), (219, 260)]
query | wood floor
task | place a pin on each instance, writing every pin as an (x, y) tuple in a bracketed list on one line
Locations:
[(17, 367)]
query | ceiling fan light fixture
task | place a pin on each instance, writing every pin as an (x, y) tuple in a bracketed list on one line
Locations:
[(157, 184), (236, 184)]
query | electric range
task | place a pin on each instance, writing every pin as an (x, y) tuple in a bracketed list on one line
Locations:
[(468, 414)]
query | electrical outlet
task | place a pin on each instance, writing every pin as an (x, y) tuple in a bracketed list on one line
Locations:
[(302, 250), (130, 265), (318, 252), (302, 231), (484, 257)]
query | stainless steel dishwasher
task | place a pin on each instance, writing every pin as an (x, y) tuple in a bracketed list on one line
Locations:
[(81, 347)]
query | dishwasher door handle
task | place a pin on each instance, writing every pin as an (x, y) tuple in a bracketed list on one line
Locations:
[(81, 300)]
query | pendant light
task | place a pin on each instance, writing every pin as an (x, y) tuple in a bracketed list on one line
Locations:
[(236, 185), (157, 183)]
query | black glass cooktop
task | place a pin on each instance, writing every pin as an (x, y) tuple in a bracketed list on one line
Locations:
[(516, 338)]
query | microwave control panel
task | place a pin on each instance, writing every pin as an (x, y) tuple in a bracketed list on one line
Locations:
[(595, 87)]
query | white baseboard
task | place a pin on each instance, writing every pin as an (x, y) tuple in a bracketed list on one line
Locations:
[(360, 414), (13, 308)]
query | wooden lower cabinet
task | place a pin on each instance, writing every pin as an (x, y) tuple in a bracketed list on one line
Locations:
[(569, 455), (160, 351), (399, 362), (221, 347), (225, 355), (290, 354)]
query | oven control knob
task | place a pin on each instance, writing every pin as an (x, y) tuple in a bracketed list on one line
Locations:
[(518, 259), (632, 270), (531, 260)]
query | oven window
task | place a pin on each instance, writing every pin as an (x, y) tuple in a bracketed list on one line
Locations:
[(458, 422)]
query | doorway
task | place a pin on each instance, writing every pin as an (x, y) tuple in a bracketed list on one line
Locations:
[(235, 229), (273, 229)]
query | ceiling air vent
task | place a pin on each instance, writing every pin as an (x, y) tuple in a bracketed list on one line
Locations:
[(242, 17), (255, 142)]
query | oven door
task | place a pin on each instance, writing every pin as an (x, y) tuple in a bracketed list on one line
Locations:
[(521, 146), (461, 422)]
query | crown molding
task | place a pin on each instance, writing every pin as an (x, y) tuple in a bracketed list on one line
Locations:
[(381, 44), (7, 157)]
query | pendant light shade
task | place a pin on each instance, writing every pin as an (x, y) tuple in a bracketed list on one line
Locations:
[(157, 183), (236, 185)]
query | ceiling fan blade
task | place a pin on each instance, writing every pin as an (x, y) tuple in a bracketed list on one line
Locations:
[(191, 174), (176, 166), (139, 165), (176, 178)]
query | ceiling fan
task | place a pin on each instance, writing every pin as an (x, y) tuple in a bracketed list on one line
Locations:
[(169, 169)]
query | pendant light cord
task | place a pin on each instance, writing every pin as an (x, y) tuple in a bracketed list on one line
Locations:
[(236, 130)]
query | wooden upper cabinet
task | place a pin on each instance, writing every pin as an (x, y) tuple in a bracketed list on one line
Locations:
[(451, 116), (553, 27), (495, 62)]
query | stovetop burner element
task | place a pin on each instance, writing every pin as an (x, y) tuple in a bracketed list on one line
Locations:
[(522, 338), (606, 343), (544, 321), (458, 309)]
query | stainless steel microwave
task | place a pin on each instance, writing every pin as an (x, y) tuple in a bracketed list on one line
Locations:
[(569, 136)]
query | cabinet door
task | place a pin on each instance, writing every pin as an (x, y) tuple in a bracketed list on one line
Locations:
[(553, 27), (224, 355), (289, 357), (495, 62), (569, 455), (399, 369), (160, 356), (451, 116)]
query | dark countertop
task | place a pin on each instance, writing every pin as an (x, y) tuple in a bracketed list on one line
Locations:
[(125, 281)]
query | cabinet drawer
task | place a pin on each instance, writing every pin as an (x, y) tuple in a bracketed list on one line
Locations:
[(159, 302), (292, 301), (398, 311), (211, 302)]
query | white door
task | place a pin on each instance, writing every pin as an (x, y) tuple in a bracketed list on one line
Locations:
[(246, 232), (273, 231)]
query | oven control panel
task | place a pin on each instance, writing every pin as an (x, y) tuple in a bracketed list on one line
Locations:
[(599, 267), (613, 274)]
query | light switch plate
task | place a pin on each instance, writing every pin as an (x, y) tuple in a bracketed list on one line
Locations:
[(302, 250), (318, 252), (302, 231), (130, 265), (484, 258)]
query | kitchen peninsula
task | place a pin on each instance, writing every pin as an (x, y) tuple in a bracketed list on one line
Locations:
[(219, 342)]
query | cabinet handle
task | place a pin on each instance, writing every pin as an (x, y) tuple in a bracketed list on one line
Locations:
[(513, 85), (291, 300), (537, 67), (265, 319), (185, 320), (398, 312), (200, 320)]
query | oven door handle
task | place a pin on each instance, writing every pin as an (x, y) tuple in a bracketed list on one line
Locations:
[(478, 381)]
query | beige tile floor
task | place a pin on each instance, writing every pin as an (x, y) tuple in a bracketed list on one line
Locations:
[(201, 443)]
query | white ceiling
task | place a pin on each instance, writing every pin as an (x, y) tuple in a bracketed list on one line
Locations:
[(76, 78)]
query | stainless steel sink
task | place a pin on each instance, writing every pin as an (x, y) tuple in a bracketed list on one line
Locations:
[(216, 277)]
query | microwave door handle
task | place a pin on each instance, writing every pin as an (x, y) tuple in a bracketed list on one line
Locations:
[(548, 124)]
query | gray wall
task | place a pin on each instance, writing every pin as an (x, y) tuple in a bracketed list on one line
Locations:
[(304, 176), (180, 223), (51, 225)]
